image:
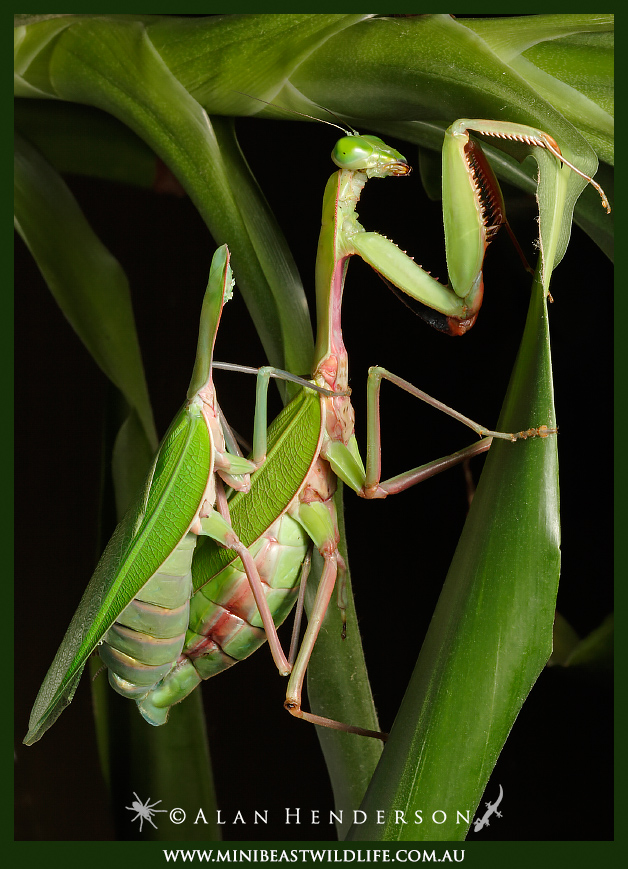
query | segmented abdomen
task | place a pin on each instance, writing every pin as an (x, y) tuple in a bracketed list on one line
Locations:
[(148, 636), (224, 623)]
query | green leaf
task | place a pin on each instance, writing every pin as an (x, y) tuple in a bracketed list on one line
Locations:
[(569, 60), (596, 649), (85, 279), (85, 141), (113, 65), (491, 632), (221, 59)]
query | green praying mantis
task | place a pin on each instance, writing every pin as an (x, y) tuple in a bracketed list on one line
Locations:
[(135, 609), (269, 535)]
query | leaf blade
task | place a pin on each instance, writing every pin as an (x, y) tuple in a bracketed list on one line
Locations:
[(490, 635)]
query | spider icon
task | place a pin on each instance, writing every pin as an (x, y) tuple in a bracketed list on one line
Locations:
[(145, 811)]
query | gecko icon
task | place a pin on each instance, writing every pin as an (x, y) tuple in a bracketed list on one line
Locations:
[(491, 809)]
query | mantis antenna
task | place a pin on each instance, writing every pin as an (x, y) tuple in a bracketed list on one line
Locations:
[(348, 132)]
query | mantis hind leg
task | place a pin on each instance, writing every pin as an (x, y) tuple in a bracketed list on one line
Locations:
[(374, 488), (298, 612), (217, 528), (295, 685), (319, 520)]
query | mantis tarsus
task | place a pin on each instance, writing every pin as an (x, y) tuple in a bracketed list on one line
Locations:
[(224, 626), (136, 607)]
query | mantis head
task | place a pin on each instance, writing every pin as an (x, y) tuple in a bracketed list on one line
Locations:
[(369, 154)]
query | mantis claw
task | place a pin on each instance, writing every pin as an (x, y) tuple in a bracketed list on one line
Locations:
[(541, 431)]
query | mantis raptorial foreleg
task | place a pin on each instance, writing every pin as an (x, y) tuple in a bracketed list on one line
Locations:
[(473, 212)]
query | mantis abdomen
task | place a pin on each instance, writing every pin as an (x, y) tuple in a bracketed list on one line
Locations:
[(225, 625), (148, 636), (224, 622)]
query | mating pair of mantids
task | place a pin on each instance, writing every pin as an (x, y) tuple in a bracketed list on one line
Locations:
[(165, 613)]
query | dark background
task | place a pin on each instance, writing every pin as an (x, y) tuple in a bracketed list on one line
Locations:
[(558, 758)]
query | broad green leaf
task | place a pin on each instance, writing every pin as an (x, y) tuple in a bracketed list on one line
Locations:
[(586, 63), (222, 59), (85, 141), (569, 60), (125, 76)]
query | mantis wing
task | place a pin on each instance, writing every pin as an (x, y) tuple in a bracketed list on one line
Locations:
[(149, 532)]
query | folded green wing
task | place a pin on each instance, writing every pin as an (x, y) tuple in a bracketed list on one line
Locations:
[(151, 529), (149, 532), (293, 439)]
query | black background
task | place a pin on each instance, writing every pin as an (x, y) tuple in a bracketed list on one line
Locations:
[(557, 761)]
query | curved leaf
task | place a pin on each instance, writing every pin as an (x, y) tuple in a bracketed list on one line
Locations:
[(125, 76), (85, 279), (491, 632)]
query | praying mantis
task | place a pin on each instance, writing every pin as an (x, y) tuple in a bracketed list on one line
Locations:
[(136, 608), (224, 625), (328, 420)]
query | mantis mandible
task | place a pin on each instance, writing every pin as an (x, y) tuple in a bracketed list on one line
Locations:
[(314, 437), (136, 606)]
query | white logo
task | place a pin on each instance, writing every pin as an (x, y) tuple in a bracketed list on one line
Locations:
[(491, 809), (144, 811)]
